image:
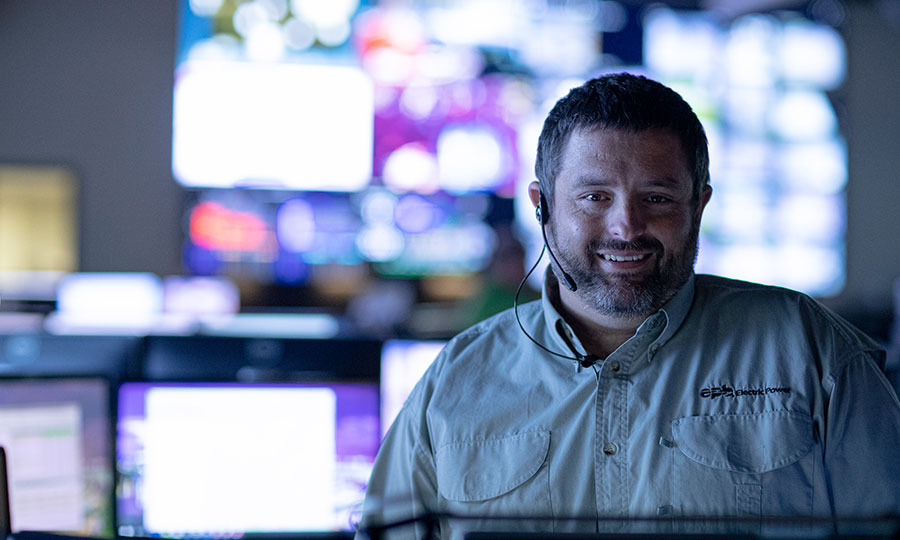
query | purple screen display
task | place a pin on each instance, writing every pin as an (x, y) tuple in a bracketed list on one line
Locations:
[(266, 439)]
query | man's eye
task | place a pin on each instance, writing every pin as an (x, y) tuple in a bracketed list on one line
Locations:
[(594, 197), (657, 199)]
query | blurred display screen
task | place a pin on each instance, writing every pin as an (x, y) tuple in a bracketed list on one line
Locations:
[(58, 440), (403, 362), (106, 301), (200, 296), (38, 229), (287, 126), (222, 460), (281, 236)]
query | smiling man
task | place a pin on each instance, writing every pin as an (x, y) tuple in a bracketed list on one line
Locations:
[(636, 395)]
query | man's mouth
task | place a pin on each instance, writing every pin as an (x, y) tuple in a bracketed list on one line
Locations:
[(624, 258)]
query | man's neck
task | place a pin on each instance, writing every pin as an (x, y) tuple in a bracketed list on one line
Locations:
[(599, 333)]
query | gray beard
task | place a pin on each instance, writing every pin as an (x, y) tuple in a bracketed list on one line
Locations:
[(628, 296)]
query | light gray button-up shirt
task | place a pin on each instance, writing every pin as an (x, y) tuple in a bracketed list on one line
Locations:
[(735, 399)]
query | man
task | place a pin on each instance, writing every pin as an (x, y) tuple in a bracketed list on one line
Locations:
[(634, 388)]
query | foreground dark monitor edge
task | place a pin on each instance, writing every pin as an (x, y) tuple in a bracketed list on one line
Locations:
[(511, 528)]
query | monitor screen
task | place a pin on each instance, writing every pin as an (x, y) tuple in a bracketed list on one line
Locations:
[(34, 257), (57, 433), (290, 236), (231, 459), (285, 125), (403, 362)]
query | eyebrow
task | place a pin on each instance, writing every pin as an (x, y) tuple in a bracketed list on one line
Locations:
[(587, 180), (661, 182), (666, 181)]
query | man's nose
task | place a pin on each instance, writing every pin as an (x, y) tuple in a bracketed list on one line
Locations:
[(626, 219)]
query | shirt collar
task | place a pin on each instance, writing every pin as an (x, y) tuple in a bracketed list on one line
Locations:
[(676, 310), (556, 325)]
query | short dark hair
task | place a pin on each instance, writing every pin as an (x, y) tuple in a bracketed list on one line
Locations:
[(621, 101)]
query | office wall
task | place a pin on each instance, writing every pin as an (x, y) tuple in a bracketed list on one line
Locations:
[(88, 83), (872, 123)]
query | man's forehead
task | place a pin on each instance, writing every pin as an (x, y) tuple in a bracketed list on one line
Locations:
[(623, 135), (612, 144)]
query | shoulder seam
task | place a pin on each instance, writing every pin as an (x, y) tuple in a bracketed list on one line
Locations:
[(840, 329)]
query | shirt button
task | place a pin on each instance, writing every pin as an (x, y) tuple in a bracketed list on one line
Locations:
[(615, 366), (654, 348), (610, 449)]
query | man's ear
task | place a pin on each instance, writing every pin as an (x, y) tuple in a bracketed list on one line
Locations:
[(705, 195), (534, 193)]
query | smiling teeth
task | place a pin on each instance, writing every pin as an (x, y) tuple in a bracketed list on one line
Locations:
[(616, 258)]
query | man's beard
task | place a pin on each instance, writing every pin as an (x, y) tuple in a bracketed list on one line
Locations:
[(626, 294)]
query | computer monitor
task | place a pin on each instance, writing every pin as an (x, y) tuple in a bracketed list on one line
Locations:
[(221, 459), (255, 359), (38, 354), (57, 434), (403, 362)]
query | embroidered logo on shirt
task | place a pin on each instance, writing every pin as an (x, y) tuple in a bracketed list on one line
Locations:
[(725, 390)]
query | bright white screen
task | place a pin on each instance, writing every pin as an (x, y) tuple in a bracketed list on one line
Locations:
[(221, 459), (46, 476), (272, 125)]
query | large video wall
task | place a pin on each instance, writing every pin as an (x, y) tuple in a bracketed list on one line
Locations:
[(397, 136)]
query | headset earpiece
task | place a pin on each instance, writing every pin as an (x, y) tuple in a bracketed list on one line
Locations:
[(542, 212)]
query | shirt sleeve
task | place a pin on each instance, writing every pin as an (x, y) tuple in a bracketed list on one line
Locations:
[(402, 488), (861, 441)]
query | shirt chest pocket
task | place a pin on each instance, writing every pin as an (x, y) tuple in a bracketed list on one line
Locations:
[(501, 475), (744, 464)]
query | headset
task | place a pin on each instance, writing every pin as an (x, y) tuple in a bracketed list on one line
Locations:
[(542, 213)]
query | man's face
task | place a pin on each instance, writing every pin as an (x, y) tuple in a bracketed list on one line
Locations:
[(624, 220)]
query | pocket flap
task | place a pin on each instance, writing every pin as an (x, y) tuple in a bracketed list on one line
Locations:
[(483, 469), (747, 443)]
